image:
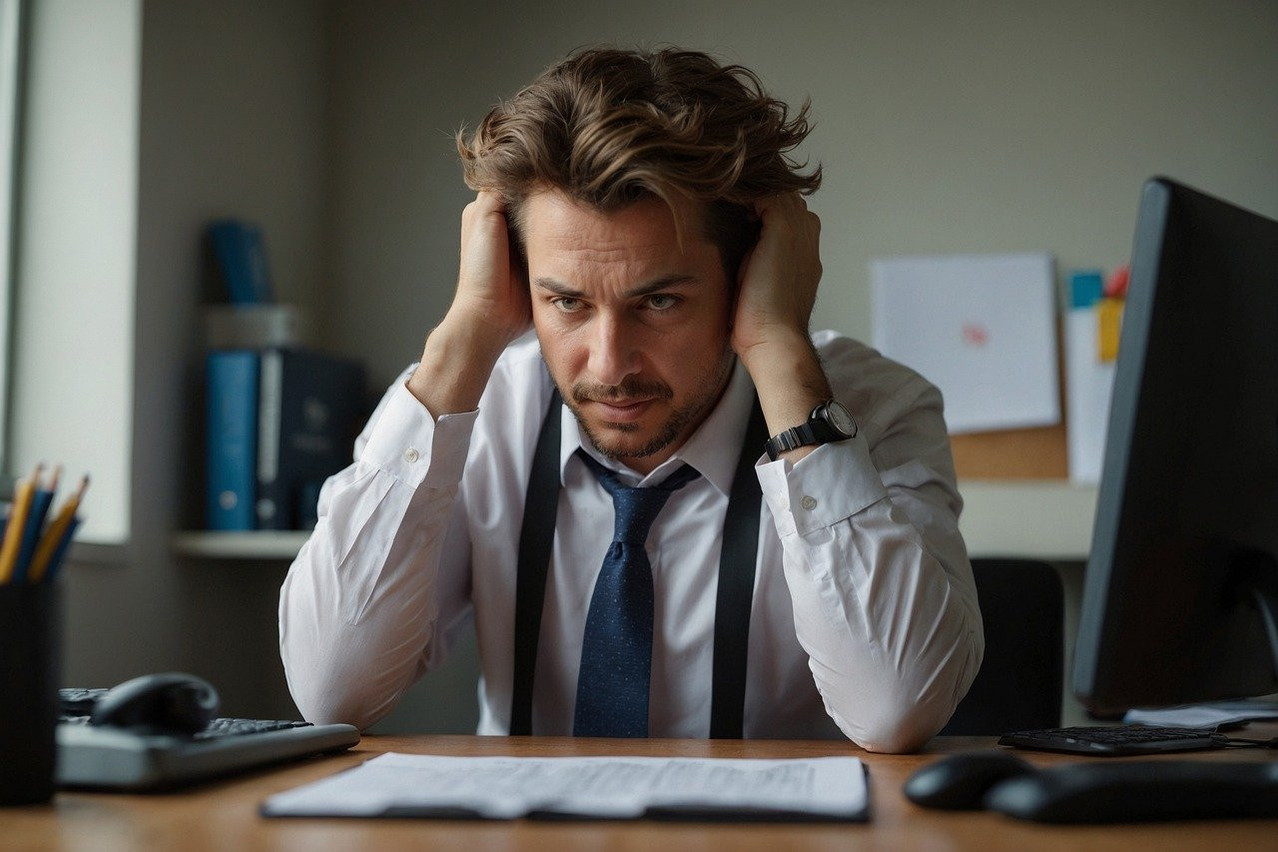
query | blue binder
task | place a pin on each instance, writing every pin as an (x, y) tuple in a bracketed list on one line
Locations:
[(231, 442), (241, 261), (309, 405)]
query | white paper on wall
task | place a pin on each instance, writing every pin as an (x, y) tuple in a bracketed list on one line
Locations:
[(1089, 383), (980, 327)]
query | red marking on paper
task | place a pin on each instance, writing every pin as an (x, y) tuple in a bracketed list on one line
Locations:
[(975, 334)]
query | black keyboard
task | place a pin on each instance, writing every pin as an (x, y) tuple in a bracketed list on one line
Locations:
[(238, 727), (1116, 740), (76, 702), (220, 727), (125, 759)]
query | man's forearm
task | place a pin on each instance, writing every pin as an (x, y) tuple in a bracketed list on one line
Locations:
[(353, 627), (790, 382), (882, 604), (457, 360), (361, 602)]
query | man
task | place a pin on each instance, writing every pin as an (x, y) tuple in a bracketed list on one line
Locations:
[(639, 212)]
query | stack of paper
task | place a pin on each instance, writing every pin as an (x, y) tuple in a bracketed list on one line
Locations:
[(398, 785)]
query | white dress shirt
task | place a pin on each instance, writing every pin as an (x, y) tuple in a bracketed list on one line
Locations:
[(864, 617)]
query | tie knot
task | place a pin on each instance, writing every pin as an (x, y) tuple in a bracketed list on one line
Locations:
[(637, 508)]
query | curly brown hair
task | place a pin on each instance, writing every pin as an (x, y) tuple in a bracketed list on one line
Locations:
[(609, 127)]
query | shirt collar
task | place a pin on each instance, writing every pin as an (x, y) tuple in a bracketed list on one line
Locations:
[(713, 449)]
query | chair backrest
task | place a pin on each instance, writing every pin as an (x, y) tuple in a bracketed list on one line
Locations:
[(1019, 685)]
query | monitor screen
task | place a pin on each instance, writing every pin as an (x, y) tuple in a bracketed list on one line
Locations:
[(1180, 591)]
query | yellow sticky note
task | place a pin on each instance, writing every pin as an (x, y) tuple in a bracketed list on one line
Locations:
[(1109, 319)]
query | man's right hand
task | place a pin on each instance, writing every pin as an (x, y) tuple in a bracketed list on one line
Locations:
[(492, 292), (490, 309)]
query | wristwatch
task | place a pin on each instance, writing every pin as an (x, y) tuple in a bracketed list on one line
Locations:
[(828, 422)]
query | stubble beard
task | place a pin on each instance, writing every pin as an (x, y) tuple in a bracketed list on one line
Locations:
[(705, 396)]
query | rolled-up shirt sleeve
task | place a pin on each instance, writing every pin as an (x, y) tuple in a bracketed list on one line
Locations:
[(884, 601), (368, 603)]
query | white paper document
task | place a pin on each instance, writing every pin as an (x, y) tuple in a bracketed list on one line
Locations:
[(398, 785), (981, 328), (1205, 715)]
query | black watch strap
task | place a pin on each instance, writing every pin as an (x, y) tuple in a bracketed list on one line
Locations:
[(820, 428)]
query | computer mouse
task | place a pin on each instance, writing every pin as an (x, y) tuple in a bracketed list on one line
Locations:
[(959, 782), (172, 703), (1140, 791)]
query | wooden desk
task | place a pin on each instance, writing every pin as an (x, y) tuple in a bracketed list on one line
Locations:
[(224, 815)]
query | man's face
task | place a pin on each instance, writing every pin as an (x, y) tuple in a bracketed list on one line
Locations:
[(633, 327)]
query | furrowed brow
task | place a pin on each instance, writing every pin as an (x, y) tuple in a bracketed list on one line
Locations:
[(665, 282), (556, 287)]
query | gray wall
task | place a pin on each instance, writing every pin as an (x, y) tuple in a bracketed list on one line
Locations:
[(981, 126), (232, 120), (942, 127)]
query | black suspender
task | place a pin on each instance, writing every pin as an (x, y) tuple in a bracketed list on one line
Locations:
[(735, 589), (736, 586), (536, 537)]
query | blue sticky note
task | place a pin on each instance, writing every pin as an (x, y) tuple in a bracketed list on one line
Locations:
[(1086, 288)]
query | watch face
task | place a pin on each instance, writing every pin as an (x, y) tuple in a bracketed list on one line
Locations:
[(840, 418)]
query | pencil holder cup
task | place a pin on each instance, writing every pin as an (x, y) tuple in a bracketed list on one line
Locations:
[(30, 657)]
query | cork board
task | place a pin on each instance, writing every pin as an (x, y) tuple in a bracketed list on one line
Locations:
[(1012, 454), (1040, 453)]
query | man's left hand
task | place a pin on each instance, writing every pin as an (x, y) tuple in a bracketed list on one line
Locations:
[(779, 276), (776, 291)]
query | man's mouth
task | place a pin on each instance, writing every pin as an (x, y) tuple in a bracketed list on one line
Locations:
[(622, 410)]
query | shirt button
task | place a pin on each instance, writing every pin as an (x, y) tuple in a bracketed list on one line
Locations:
[(808, 503), (411, 455)]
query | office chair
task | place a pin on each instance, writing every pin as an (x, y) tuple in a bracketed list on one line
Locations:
[(1019, 685)]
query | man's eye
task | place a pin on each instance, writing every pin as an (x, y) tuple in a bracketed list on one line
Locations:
[(567, 305), (662, 301)]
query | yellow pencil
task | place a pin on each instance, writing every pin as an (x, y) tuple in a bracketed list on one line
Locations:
[(22, 495), (55, 533)]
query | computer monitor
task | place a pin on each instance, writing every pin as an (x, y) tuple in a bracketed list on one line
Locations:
[(1181, 591)]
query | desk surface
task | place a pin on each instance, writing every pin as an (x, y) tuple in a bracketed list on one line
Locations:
[(224, 815)]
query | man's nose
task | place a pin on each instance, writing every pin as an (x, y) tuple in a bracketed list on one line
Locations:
[(614, 353)]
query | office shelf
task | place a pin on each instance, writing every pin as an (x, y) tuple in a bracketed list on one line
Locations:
[(265, 545), (1036, 519)]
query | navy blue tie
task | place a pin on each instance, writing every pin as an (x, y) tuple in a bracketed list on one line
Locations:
[(616, 651)]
